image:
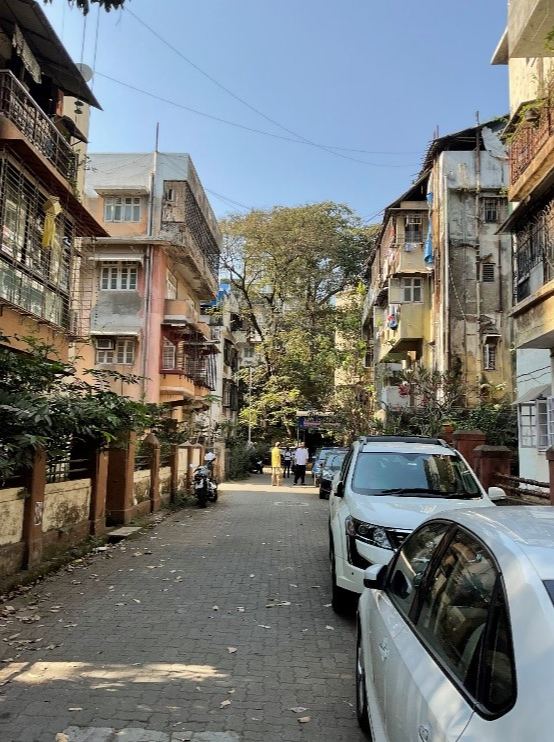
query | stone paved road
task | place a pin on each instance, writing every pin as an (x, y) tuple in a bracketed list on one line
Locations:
[(130, 645)]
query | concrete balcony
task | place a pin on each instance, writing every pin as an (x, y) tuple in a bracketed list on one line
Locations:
[(203, 265), (30, 130), (394, 344), (406, 258), (532, 150), (529, 22)]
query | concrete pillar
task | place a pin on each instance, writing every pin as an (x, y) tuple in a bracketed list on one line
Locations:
[(174, 465), (491, 460), (121, 469), (98, 487), (154, 450), (550, 459), (33, 510), (466, 441)]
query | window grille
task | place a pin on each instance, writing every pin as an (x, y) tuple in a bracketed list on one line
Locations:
[(542, 424), (550, 420), (488, 272), (492, 210), (489, 356), (122, 209), (169, 353), (527, 419), (412, 228), (32, 277)]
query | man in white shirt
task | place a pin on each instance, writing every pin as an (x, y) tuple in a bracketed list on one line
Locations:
[(209, 459), (301, 456)]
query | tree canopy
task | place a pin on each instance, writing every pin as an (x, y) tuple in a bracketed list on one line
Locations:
[(287, 266), (85, 5)]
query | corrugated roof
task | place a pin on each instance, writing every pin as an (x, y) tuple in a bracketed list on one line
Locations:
[(46, 46)]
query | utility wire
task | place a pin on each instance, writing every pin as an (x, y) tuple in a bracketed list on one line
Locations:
[(221, 120), (244, 102)]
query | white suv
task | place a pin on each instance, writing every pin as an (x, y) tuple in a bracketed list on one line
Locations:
[(387, 486)]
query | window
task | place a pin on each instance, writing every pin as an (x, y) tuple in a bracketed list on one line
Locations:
[(412, 228), (169, 194), (169, 355), (487, 272), (171, 286), (498, 681), (550, 420), (122, 209), (227, 392), (492, 208), (118, 277), (412, 290), (489, 356), (535, 424), (410, 565), (455, 607), (120, 351)]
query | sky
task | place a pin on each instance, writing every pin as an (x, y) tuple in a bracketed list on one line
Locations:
[(352, 74)]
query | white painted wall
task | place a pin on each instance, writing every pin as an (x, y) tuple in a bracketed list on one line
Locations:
[(533, 369)]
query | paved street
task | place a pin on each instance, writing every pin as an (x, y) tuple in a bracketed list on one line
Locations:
[(213, 625)]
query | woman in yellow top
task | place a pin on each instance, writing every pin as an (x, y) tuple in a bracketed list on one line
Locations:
[(276, 465)]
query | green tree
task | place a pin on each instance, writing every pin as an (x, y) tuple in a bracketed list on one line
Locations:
[(288, 265), (85, 5)]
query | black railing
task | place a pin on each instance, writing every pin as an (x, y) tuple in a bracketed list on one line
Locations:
[(64, 468), (19, 107), (535, 247)]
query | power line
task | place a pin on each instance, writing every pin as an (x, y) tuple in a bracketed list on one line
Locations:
[(228, 200), (237, 125), (244, 102)]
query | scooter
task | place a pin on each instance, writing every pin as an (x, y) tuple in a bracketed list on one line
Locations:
[(205, 487), (257, 467)]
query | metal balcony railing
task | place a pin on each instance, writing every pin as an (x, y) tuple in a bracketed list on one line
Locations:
[(534, 257), (19, 107), (531, 136)]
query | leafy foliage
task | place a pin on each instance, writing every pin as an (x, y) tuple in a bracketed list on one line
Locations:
[(287, 266), (85, 5), (43, 403)]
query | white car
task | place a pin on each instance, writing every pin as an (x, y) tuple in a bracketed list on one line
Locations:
[(387, 486), (456, 635)]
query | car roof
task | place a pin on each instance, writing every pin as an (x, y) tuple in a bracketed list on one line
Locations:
[(405, 447), (518, 528)]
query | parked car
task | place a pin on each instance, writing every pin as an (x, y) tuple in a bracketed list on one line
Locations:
[(329, 468), (387, 486), (455, 635), (319, 457)]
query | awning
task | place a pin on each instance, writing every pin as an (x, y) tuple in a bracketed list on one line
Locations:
[(120, 257), (536, 392), (45, 46), (115, 333)]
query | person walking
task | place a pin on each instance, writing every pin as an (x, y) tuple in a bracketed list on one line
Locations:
[(301, 456), (287, 461), (276, 465)]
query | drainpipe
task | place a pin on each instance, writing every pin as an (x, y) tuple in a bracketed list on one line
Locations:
[(478, 358), (446, 280), (148, 271)]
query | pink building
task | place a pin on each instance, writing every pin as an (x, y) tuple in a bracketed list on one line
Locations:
[(140, 290)]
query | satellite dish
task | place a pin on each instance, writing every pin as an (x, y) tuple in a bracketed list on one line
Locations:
[(85, 71)]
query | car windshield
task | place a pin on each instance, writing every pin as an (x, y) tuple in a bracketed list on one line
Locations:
[(322, 455), (413, 475), (334, 462)]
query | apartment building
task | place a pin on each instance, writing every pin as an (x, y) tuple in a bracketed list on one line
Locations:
[(439, 287), (141, 287), (42, 96), (526, 47)]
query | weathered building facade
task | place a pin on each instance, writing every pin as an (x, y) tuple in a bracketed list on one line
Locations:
[(40, 211), (141, 288), (527, 50), (439, 286)]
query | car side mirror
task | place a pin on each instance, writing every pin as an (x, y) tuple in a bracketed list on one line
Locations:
[(339, 491), (496, 493), (375, 576)]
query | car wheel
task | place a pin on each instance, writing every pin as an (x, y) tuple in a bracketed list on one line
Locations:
[(361, 694), (342, 600)]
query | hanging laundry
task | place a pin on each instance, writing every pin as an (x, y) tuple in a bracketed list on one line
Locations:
[(52, 208)]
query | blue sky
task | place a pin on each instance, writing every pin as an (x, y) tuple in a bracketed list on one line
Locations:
[(359, 74)]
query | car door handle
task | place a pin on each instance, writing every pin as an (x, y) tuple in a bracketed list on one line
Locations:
[(384, 649), (423, 733)]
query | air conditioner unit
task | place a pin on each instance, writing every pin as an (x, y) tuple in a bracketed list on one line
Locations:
[(105, 343)]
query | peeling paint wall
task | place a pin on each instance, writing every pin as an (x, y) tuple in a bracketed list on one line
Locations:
[(66, 504), (141, 486), (11, 524)]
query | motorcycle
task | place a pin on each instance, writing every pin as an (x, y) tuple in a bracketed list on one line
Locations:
[(205, 487), (257, 467)]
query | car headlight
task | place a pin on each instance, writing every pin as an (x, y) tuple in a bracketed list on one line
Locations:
[(368, 532)]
